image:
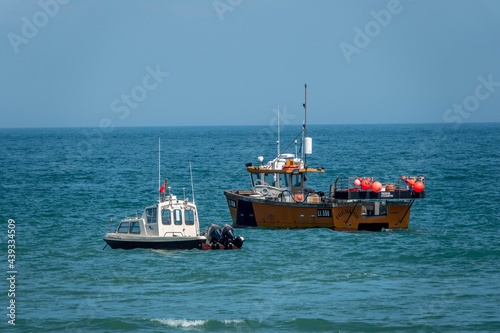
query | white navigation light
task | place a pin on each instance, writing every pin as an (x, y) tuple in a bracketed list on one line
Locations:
[(308, 148), (261, 159)]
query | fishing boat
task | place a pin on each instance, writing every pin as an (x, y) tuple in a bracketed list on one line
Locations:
[(170, 224), (281, 197)]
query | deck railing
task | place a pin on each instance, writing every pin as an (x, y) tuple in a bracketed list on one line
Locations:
[(113, 222), (344, 188)]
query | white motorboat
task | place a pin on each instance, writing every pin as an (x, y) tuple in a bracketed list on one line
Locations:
[(169, 224)]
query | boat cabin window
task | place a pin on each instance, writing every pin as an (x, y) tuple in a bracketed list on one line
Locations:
[(151, 215), (283, 180), (166, 217), (123, 228), (177, 217), (269, 178), (256, 180), (135, 228), (297, 180), (189, 217)]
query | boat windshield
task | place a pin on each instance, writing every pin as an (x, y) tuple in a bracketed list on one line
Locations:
[(283, 180), (268, 179), (166, 216)]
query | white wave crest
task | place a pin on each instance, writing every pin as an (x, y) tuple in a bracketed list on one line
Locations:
[(186, 323)]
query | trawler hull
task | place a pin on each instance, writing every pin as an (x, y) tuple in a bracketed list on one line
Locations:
[(249, 210)]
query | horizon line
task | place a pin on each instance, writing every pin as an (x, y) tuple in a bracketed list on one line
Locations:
[(256, 125)]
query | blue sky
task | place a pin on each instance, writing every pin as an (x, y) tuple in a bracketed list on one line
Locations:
[(68, 63)]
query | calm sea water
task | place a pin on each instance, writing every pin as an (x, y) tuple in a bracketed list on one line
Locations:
[(61, 185)]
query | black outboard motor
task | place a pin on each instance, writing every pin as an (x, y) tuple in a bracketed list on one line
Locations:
[(228, 239), (224, 236), (238, 241), (227, 236), (214, 236)]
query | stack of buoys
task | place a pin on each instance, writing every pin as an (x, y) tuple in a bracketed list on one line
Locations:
[(368, 184), (417, 186)]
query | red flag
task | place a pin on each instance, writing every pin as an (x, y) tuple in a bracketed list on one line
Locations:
[(162, 189)]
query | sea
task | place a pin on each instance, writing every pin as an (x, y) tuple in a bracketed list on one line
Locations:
[(59, 186)]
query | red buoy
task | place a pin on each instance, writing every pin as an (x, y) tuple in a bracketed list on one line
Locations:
[(403, 177), (299, 197), (418, 187), (357, 182), (411, 182), (366, 184), (376, 187)]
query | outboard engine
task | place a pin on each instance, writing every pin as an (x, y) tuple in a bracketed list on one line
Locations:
[(228, 239), (224, 236), (214, 234), (238, 241)]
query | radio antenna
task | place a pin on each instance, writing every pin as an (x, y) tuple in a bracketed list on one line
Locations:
[(159, 168), (192, 186), (278, 131)]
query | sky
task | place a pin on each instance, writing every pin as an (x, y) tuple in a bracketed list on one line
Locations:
[(68, 63)]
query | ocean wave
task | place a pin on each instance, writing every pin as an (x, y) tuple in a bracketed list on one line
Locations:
[(197, 323)]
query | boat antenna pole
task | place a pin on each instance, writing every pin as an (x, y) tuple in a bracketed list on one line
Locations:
[(305, 122), (159, 168), (279, 131), (192, 186)]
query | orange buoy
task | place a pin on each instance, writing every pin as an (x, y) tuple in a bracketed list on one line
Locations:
[(418, 187), (357, 182), (366, 184), (411, 182), (376, 187)]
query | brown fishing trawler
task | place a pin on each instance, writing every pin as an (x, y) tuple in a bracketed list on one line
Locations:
[(280, 196)]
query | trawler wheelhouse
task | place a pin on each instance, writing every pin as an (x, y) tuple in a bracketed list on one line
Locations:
[(284, 179)]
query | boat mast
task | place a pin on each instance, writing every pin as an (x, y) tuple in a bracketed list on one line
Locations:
[(192, 186), (305, 121), (279, 131), (159, 168)]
